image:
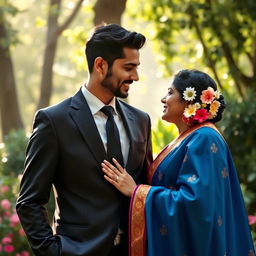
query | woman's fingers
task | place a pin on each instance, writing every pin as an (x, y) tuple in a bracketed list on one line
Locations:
[(113, 182), (118, 177), (116, 169), (119, 167), (109, 172), (109, 167)]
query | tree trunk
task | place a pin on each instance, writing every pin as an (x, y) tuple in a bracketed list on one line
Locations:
[(109, 11), (49, 54), (9, 107), (53, 33)]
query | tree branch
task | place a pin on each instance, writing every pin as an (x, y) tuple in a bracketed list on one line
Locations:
[(250, 57), (240, 79), (109, 11), (52, 22), (206, 52), (254, 58), (68, 21)]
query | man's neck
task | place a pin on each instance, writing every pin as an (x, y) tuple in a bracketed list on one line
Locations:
[(101, 93)]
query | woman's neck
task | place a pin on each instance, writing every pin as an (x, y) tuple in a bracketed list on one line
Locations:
[(182, 127)]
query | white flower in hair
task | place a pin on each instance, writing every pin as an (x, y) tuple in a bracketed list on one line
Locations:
[(189, 94), (217, 94), (197, 105), (190, 110)]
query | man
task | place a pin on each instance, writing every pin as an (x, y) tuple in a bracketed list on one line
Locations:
[(66, 149)]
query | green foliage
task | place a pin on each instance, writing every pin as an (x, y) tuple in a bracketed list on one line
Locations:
[(13, 153), (8, 8), (238, 126), (162, 135), (8, 11), (217, 34)]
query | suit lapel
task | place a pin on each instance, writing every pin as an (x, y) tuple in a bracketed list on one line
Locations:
[(127, 117), (82, 116)]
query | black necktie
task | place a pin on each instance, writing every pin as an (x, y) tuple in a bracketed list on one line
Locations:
[(113, 138)]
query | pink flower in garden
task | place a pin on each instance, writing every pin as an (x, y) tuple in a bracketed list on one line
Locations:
[(21, 232), (7, 240), (25, 253), (14, 219), (4, 189), (252, 219), (7, 214), (5, 203), (9, 248), (201, 115)]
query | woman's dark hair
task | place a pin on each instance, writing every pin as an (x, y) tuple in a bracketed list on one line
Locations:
[(200, 81), (108, 42)]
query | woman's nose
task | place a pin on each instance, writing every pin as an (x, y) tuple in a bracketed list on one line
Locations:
[(163, 100)]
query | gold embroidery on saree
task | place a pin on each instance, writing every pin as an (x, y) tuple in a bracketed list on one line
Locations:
[(138, 226), (224, 173), (214, 148)]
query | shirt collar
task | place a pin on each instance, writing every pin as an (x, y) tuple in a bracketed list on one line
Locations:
[(96, 104)]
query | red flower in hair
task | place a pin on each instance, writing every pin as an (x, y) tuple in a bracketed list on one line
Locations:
[(201, 115)]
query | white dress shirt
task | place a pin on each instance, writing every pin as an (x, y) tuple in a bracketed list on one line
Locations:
[(100, 119)]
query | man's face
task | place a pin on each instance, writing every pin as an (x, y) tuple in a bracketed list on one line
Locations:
[(122, 73)]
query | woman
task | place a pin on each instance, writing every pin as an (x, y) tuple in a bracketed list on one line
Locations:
[(193, 205)]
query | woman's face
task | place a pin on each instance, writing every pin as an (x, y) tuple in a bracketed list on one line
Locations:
[(173, 106)]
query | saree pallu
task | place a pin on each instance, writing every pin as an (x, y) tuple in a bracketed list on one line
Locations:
[(193, 205)]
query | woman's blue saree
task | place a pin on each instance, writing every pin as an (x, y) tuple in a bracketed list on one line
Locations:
[(193, 205)]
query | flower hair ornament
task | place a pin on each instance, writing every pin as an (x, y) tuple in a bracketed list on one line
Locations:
[(199, 112)]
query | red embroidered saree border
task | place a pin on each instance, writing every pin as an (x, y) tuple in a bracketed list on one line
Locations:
[(137, 223), (175, 143)]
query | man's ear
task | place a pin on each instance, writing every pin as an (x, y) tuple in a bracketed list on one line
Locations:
[(100, 66)]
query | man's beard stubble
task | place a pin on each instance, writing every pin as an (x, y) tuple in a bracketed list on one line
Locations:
[(107, 83)]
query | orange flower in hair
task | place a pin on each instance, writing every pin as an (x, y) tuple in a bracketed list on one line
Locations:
[(207, 96)]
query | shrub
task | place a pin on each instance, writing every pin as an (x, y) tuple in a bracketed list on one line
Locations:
[(238, 127), (12, 153), (13, 241)]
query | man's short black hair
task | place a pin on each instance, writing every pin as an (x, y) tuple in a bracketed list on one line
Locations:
[(108, 42)]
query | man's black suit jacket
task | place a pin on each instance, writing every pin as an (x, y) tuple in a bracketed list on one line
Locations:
[(65, 150)]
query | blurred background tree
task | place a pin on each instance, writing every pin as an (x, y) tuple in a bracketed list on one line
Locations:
[(54, 31), (219, 34), (42, 61), (59, 15), (10, 116)]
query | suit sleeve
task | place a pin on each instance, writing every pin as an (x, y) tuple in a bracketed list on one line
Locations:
[(40, 166)]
